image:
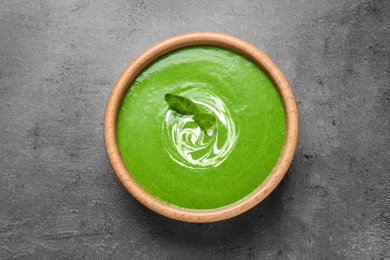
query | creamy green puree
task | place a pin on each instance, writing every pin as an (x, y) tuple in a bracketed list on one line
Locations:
[(172, 158)]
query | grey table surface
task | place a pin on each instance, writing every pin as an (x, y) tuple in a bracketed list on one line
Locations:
[(59, 197)]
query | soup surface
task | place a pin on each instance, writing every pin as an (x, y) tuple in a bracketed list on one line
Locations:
[(172, 158)]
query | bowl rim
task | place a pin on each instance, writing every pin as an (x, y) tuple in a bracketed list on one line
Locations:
[(161, 48)]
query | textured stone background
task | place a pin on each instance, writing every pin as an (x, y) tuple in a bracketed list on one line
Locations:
[(59, 198)]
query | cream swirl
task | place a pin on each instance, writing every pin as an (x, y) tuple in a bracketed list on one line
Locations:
[(191, 147)]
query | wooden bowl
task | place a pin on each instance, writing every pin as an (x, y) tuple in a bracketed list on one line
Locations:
[(201, 38)]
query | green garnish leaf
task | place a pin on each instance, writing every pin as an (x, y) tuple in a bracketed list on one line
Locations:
[(185, 106), (205, 121), (181, 104)]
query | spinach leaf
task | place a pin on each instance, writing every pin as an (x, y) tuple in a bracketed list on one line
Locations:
[(181, 104), (205, 121), (185, 106)]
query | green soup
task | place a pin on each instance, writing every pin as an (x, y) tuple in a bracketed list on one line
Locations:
[(172, 158)]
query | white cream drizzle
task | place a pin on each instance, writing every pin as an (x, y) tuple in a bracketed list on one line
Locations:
[(182, 137)]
